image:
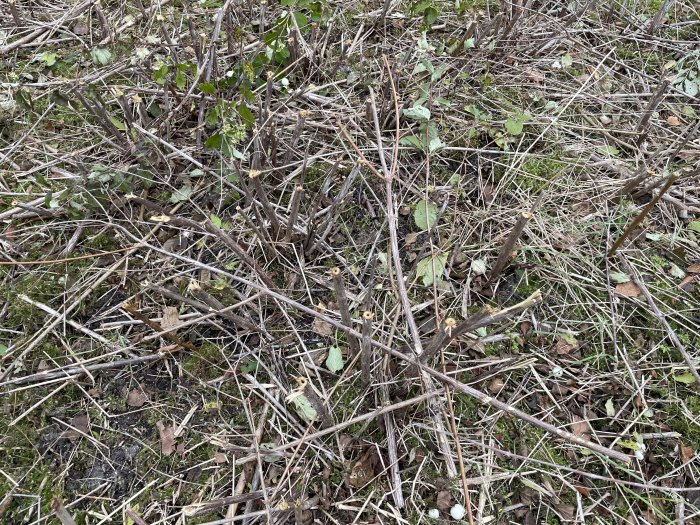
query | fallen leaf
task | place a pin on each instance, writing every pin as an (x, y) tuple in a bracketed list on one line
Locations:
[(584, 491), (219, 458), (444, 500), (686, 452), (627, 290), (495, 385), (673, 121), (581, 428), (321, 327), (564, 345), (694, 268), (411, 238), (80, 427), (171, 318), (687, 283), (167, 438), (686, 379), (94, 393), (535, 76), (362, 471), (136, 398)]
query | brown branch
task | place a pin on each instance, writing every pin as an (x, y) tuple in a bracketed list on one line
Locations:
[(637, 220), (345, 316), (507, 250)]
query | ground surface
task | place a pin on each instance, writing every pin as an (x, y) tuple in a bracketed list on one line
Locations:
[(178, 181)]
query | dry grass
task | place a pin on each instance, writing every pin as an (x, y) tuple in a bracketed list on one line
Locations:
[(167, 318)]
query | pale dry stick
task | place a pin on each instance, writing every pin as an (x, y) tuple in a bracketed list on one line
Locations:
[(436, 410), (76, 303), (294, 212), (366, 348), (519, 159), (132, 20), (345, 424), (60, 512), (393, 237), (37, 33), (74, 324), (507, 249), (50, 376), (637, 279), (203, 305), (389, 422), (466, 389), (38, 403)]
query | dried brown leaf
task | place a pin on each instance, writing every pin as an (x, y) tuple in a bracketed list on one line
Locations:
[(362, 471), (321, 327), (136, 398), (167, 438), (686, 452), (581, 428), (443, 501), (628, 289), (171, 318), (673, 121), (564, 346), (694, 268)]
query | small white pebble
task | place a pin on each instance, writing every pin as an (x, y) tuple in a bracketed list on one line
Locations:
[(434, 514), (557, 371), (605, 120), (458, 512)]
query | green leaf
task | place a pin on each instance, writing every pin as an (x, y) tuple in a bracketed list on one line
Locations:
[(608, 150), (207, 88), (48, 58), (514, 126), (478, 266), (246, 115), (694, 226), (182, 194), (425, 214), (248, 366), (686, 379), (430, 16), (566, 60), (609, 408), (334, 361), (304, 407), (690, 87), (160, 74), (619, 277), (301, 19), (101, 56), (215, 220), (117, 123), (413, 141), (3, 349), (180, 79), (434, 142), (419, 113), (431, 268)]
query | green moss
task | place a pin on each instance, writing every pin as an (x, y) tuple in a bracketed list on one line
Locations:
[(678, 421), (537, 172), (205, 363)]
